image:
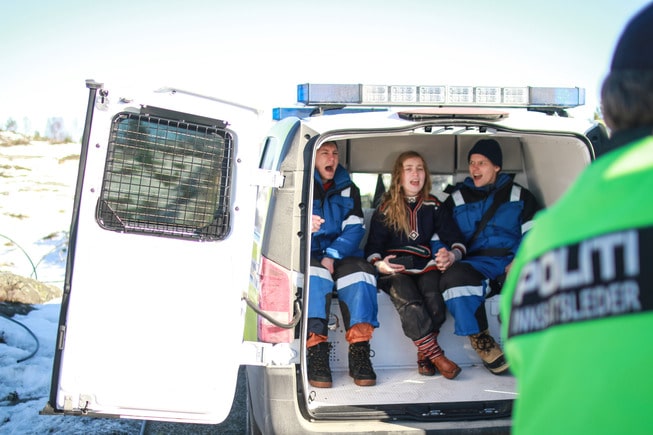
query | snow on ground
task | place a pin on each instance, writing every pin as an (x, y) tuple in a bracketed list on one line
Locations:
[(37, 184)]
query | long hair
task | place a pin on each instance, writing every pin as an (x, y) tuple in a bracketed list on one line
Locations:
[(394, 200)]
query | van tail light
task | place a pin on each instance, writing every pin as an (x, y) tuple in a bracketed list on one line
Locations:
[(276, 296)]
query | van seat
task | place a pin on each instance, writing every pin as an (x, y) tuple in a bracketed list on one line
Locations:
[(367, 216)]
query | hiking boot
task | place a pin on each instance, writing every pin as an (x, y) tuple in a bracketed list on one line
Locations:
[(360, 366), (489, 351), (424, 365), (319, 372), (445, 366)]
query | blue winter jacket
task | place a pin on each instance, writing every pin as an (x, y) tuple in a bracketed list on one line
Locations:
[(497, 243), (340, 207)]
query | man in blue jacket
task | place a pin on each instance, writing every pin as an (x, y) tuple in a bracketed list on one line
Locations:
[(337, 230), (493, 213)]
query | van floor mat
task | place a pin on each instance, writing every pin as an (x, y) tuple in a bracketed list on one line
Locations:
[(405, 386)]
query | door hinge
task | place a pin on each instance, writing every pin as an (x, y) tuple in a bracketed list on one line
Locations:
[(61, 337)]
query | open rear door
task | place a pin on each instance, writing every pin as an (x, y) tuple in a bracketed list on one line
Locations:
[(152, 318)]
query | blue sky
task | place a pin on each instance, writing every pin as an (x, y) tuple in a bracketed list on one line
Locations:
[(257, 51)]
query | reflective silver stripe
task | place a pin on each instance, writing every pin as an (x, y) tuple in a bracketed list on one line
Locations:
[(321, 272), (515, 193), (346, 192), (435, 237), (466, 290), (526, 226), (458, 198), (354, 278), (353, 220)]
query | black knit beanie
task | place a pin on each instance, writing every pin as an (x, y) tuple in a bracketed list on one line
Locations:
[(635, 47), (489, 148)]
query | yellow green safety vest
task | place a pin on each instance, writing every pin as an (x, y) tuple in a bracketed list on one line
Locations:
[(577, 305)]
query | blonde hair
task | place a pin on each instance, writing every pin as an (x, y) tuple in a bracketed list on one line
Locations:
[(394, 200)]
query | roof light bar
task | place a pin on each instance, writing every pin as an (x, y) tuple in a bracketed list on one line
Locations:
[(411, 95), (279, 113)]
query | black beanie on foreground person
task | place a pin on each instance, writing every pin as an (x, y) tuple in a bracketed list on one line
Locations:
[(634, 50), (489, 148)]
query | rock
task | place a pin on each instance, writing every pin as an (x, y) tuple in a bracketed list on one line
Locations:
[(15, 288), (10, 309)]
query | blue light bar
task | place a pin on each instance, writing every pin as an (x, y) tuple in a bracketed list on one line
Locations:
[(564, 97), (412, 95), (279, 113), (329, 94)]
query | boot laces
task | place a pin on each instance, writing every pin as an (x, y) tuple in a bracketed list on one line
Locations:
[(484, 343), (361, 355), (319, 356)]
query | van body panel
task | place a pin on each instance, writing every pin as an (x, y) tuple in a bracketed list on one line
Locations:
[(159, 263)]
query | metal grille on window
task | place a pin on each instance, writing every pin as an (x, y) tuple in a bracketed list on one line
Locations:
[(166, 177)]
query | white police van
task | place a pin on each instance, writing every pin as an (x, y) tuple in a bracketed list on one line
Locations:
[(189, 241)]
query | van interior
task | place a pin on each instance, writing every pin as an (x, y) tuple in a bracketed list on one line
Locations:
[(544, 164)]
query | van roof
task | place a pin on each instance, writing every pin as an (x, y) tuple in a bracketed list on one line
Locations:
[(515, 119)]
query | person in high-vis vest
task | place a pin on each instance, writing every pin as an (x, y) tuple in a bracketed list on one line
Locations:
[(577, 305)]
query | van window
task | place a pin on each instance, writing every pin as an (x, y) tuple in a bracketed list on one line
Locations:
[(270, 154), (166, 178)]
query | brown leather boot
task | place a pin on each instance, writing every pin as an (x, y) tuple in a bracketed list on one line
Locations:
[(445, 366), (489, 351), (424, 365), (430, 349)]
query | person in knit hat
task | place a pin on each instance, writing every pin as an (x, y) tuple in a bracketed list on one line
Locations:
[(583, 363), (489, 148), (337, 228), (508, 209)]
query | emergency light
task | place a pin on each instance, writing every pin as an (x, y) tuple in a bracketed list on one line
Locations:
[(410, 95)]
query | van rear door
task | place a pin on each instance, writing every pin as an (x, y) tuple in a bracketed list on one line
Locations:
[(152, 318)]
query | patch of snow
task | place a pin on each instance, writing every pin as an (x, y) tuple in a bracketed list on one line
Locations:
[(36, 198)]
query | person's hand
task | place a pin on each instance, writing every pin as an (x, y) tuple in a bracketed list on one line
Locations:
[(444, 259), (328, 264), (388, 268), (507, 269), (316, 223)]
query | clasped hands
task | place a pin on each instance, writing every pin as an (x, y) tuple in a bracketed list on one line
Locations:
[(443, 260)]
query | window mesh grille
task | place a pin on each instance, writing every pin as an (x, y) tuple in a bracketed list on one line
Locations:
[(166, 177)]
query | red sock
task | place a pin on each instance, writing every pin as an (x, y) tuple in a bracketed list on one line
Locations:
[(429, 346)]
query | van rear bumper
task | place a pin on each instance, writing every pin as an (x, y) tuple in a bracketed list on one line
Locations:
[(274, 408)]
